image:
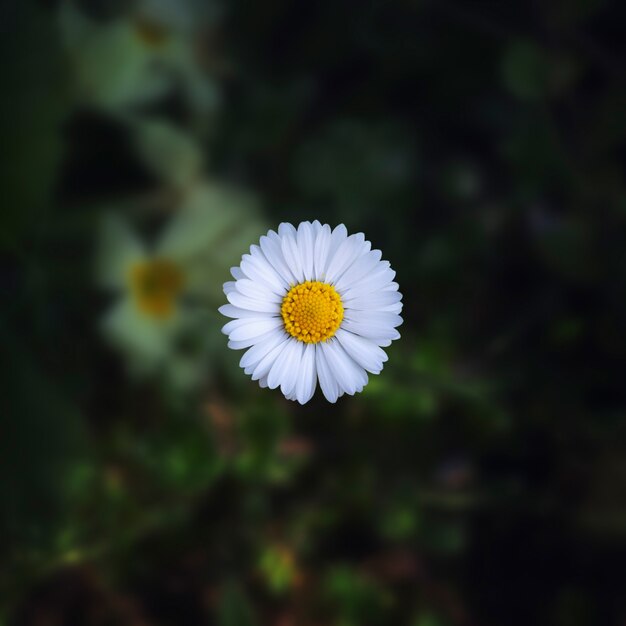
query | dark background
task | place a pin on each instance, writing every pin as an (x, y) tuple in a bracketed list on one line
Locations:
[(481, 478)]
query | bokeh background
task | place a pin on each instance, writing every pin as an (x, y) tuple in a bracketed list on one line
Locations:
[(479, 480)]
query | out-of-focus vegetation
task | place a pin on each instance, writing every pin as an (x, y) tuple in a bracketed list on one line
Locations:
[(479, 480)]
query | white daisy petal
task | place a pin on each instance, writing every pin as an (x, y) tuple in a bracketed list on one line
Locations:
[(348, 251), (371, 331), (229, 286), (376, 318), (289, 247), (240, 345), (256, 290), (307, 376), (290, 379), (316, 226), (396, 308), (320, 251), (306, 242), (382, 338), (245, 302), (271, 247), (248, 328), (337, 237), (328, 384), (265, 364), (228, 310), (376, 281), (253, 356), (366, 353), (349, 375), (257, 268), (359, 269), (237, 273), (282, 370), (285, 229), (374, 301)]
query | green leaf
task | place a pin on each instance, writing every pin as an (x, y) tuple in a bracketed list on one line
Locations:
[(234, 607)]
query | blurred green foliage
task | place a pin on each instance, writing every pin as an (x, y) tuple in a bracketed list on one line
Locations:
[(481, 478)]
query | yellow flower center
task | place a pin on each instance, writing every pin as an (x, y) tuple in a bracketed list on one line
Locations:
[(151, 33), (156, 285), (312, 311)]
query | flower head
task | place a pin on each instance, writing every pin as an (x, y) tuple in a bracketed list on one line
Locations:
[(138, 55), (162, 292), (312, 304)]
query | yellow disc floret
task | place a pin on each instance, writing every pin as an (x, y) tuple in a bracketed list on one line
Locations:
[(312, 311), (156, 285)]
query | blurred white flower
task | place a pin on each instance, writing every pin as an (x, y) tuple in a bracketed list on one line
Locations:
[(166, 293), (171, 154), (137, 57)]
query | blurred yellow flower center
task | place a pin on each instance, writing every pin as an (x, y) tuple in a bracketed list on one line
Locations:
[(151, 33), (156, 285), (312, 311)]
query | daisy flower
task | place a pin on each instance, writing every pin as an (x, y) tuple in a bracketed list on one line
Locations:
[(162, 291), (137, 56), (312, 304)]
